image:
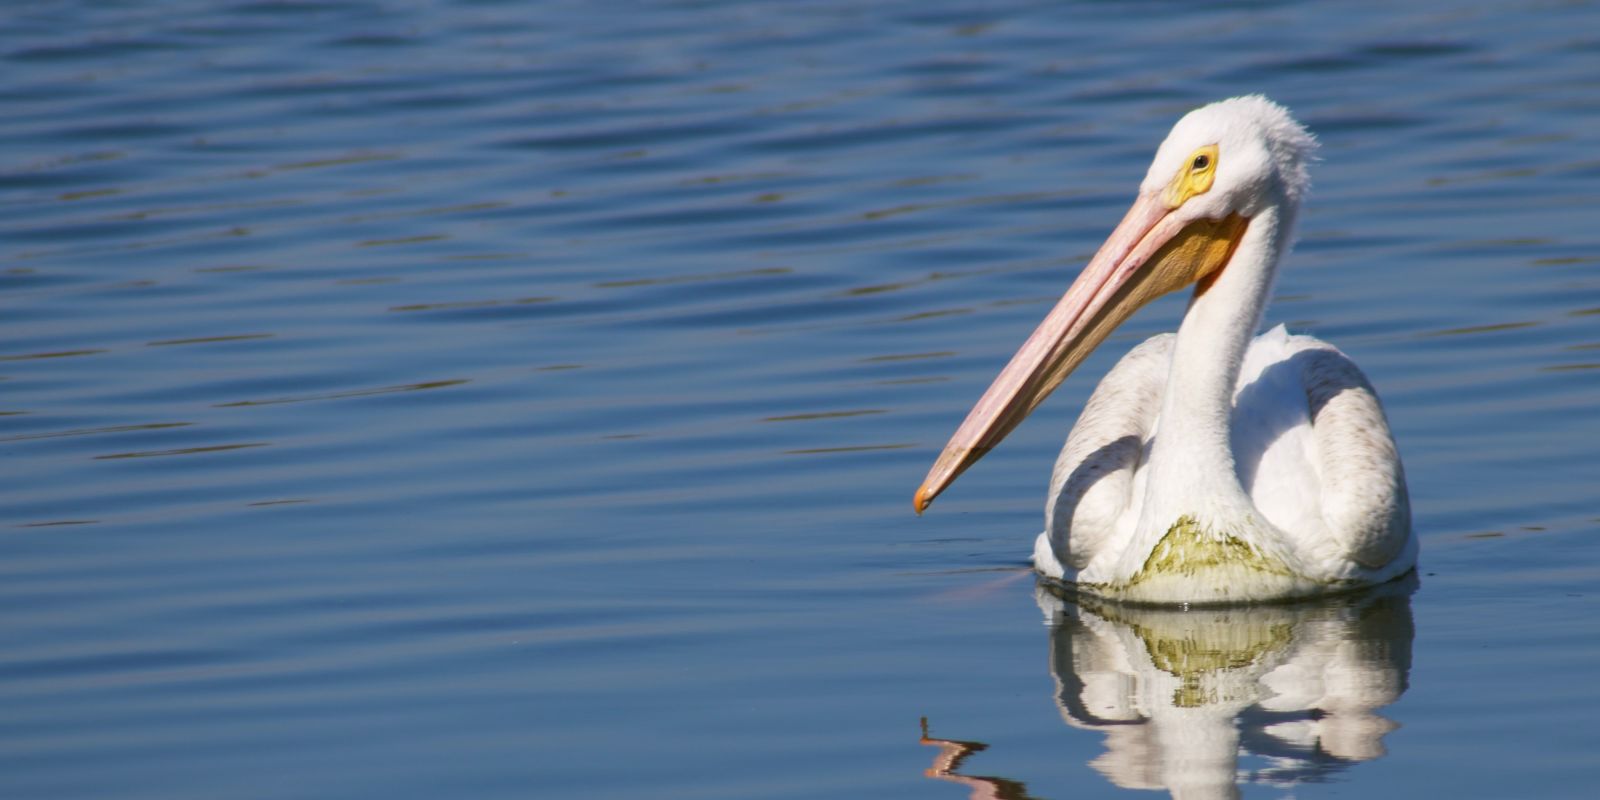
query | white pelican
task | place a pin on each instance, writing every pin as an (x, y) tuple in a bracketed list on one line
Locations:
[(1210, 465)]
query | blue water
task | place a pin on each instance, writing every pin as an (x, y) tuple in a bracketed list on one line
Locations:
[(484, 399)]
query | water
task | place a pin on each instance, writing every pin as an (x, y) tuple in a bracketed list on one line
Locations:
[(485, 399)]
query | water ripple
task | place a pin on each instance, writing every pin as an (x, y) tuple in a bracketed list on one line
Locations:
[(704, 286)]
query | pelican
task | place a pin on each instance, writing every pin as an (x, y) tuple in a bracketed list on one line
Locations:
[(1210, 466)]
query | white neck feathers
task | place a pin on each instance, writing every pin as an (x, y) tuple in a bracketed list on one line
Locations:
[(1192, 466)]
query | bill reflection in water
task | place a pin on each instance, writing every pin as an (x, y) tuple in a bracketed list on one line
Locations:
[(1197, 702)]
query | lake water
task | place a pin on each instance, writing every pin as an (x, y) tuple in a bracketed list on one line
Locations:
[(486, 399)]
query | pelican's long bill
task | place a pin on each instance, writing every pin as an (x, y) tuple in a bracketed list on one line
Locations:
[(1153, 251)]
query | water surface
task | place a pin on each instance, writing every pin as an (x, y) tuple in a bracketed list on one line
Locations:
[(521, 400)]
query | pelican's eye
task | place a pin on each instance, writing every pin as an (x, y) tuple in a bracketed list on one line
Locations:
[(1195, 178)]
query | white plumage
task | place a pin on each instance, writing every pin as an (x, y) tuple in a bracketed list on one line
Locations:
[(1329, 485), (1209, 465)]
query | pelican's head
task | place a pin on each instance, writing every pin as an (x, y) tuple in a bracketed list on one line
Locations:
[(1230, 157), (1221, 165)]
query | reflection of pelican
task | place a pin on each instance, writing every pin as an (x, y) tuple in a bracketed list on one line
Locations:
[(981, 787), (1208, 466), (1180, 694)]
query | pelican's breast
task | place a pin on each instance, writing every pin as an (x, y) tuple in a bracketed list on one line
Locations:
[(1192, 564)]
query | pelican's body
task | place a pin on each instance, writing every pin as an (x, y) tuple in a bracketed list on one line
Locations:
[(1210, 465), (1323, 506)]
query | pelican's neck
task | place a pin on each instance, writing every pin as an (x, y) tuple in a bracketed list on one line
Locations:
[(1191, 459)]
